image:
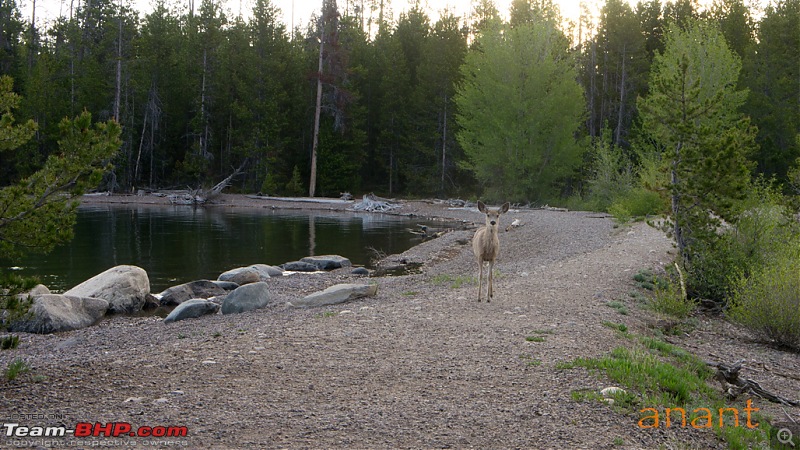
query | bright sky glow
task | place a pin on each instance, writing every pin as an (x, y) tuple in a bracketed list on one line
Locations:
[(298, 12)]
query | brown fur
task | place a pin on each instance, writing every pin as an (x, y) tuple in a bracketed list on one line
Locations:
[(486, 245)]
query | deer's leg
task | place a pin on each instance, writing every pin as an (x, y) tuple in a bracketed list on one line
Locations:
[(489, 277), (480, 279)]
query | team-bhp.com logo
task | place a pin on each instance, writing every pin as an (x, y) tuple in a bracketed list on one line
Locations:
[(88, 429)]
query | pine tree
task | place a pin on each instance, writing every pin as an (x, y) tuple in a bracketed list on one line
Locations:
[(519, 108), (692, 117)]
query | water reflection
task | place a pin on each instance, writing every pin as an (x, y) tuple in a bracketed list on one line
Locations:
[(179, 243)]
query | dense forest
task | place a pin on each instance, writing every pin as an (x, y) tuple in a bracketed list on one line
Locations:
[(509, 106)]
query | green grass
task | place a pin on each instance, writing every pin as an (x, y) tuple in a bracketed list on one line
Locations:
[(659, 375), (619, 307), (455, 282), (326, 314), (16, 368), (535, 339), (621, 327), (9, 342)]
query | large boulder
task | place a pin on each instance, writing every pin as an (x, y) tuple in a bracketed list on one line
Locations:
[(193, 289), (327, 262), (190, 309), (339, 293), (125, 288), (51, 313), (246, 298)]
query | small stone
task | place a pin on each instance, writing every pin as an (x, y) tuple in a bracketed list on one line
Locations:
[(613, 390), (177, 392), (208, 361), (133, 400), (160, 400)]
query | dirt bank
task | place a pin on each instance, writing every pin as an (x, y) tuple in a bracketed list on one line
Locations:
[(421, 365)]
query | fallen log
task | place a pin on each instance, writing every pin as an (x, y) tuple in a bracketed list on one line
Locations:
[(733, 385), (372, 203)]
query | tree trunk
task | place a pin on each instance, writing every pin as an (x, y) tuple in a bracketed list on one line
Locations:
[(621, 110), (117, 93), (444, 143), (312, 183)]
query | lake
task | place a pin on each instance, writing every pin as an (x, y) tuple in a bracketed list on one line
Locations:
[(177, 244)]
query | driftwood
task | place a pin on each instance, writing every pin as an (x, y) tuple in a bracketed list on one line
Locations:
[(201, 196), (372, 203), (733, 385)]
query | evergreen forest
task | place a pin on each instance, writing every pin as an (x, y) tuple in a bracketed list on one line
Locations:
[(516, 105)]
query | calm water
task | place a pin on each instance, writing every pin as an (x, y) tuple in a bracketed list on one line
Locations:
[(177, 244)]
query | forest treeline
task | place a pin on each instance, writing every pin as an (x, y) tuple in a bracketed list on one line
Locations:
[(407, 105)]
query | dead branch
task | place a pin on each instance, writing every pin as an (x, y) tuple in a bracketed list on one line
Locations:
[(733, 385), (371, 202)]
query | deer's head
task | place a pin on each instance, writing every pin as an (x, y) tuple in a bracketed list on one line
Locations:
[(493, 214)]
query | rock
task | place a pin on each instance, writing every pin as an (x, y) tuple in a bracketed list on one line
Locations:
[(611, 391), (227, 285), (246, 298), (151, 302), (194, 289), (360, 271), (272, 271), (299, 266), (241, 276), (339, 293), (123, 287), (327, 262), (37, 291), (52, 313), (250, 274), (191, 309)]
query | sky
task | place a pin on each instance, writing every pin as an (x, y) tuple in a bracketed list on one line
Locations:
[(298, 12)]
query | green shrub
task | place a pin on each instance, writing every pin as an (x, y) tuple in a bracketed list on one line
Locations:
[(670, 298), (16, 368), (761, 230), (636, 202), (768, 301)]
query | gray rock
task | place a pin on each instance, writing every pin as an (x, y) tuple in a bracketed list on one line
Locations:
[(52, 313), (227, 285), (327, 262), (246, 298), (339, 293), (272, 271), (37, 291), (299, 266), (360, 271), (194, 289), (150, 302), (123, 287), (250, 274), (191, 309)]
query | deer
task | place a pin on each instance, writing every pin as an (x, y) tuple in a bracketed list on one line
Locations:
[(486, 245)]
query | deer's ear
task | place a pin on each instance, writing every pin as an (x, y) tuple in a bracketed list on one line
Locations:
[(481, 207), (504, 208)]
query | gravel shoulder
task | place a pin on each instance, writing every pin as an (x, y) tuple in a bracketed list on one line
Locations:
[(421, 365)]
